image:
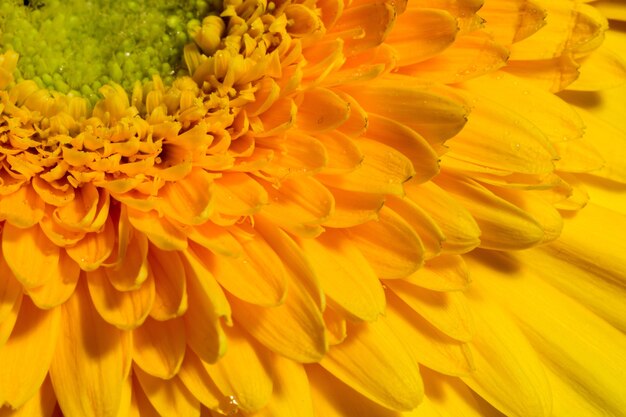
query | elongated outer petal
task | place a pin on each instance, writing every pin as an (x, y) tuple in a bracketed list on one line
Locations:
[(168, 397), (8, 322), (390, 245), (10, 289), (170, 282), (57, 290), (429, 346), (42, 404), (123, 309), (559, 328), (207, 305), (294, 329), (422, 33), (26, 356), (159, 347), (502, 224), (22, 208), (507, 371), (332, 398), (291, 395), (195, 377), (30, 255), (447, 311), (84, 386), (243, 372), (391, 377), (346, 277), (591, 274), (256, 275)]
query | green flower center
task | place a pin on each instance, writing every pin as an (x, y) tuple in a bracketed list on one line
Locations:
[(76, 46)]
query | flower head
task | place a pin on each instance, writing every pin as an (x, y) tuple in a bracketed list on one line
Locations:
[(329, 208)]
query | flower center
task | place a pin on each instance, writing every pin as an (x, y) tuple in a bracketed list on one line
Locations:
[(76, 46)]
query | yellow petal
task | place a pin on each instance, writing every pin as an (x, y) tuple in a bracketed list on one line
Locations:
[(353, 208), (557, 120), (294, 329), (237, 194), (58, 289), (365, 26), (553, 74), (243, 372), (196, 379), (43, 404), (447, 311), (159, 347), (428, 345), (321, 110), (443, 273), (190, 199), (391, 246), (216, 239), (132, 269), (408, 142), (343, 154), (206, 305), (167, 270), (159, 230), (557, 327), (168, 397), (10, 289), (502, 139), (391, 377), (436, 113), (346, 277), (512, 21), (291, 394), (299, 205), (32, 258), (84, 386), (8, 321), (470, 57), (94, 248), (383, 171), (256, 276), (332, 398), (503, 225), (456, 223), (123, 309), (25, 357), (422, 33), (86, 212), (429, 232), (23, 208)]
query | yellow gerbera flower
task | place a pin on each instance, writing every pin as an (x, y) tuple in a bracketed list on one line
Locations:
[(334, 208)]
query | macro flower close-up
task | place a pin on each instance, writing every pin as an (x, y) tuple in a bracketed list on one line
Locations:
[(312, 208)]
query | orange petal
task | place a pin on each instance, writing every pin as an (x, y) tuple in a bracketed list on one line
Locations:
[(242, 373), (10, 289), (159, 347), (353, 208), (189, 200), (132, 270), (33, 259), (168, 272), (321, 110), (84, 386), (23, 208), (158, 229), (206, 305), (58, 289), (168, 397), (25, 357), (256, 276), (123, 309), (94, 248), (422, 33), (195, 377)]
